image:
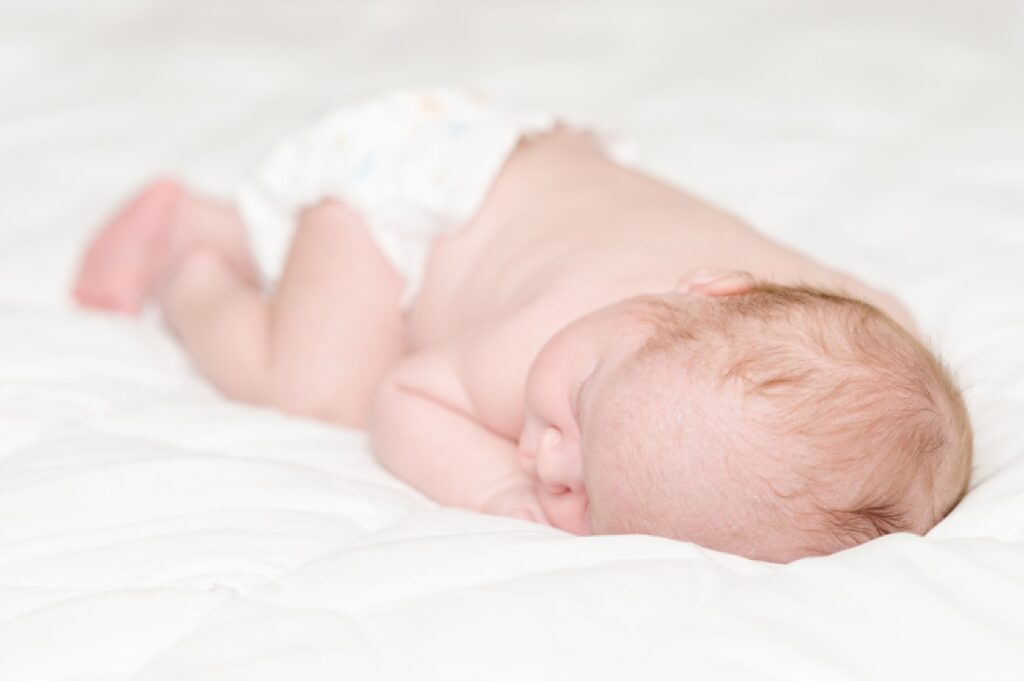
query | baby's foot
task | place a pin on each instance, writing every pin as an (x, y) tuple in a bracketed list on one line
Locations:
[(126, 258)]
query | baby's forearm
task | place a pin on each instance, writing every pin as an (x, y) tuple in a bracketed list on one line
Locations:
[(447, 454)]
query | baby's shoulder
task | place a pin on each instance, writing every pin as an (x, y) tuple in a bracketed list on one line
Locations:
[(492, 361)]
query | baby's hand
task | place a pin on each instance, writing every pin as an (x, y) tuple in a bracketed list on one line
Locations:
[(517, 501)]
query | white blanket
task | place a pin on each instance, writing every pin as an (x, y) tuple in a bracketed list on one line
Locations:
[(150, 529)]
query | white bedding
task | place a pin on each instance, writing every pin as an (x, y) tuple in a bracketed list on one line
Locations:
[(149, 529)]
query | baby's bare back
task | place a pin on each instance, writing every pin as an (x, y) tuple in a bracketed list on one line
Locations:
[(565, 231)]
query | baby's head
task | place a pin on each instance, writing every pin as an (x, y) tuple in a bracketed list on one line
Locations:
[(767, 421)]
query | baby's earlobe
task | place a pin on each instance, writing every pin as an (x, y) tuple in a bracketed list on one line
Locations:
[(711, 282)]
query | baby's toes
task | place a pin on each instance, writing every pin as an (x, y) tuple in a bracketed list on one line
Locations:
[(119, 264)]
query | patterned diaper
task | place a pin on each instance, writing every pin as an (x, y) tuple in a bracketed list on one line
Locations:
[(413, 163)]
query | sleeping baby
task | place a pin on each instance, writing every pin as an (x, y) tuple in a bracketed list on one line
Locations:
[(528, 326)]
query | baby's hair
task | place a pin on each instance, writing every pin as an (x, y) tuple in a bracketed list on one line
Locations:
[(884, 436)]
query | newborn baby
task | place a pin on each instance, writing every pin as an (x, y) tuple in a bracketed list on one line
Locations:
[(529, 327)]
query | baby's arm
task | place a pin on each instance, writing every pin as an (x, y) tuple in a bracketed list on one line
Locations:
[(423, 428)]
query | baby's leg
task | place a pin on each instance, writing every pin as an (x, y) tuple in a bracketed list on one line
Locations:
[(320, 346), (123, 264)]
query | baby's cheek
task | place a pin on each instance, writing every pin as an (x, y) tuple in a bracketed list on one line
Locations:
[(606, 482)]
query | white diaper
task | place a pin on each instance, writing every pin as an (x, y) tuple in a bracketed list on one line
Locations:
[(413, 163)]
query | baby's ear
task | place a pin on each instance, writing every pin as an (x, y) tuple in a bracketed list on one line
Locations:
[(712, 283)]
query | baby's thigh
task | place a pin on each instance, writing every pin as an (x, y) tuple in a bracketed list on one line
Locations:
[(337, 320)]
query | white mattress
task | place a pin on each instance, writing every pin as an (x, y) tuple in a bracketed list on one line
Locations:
[(150, 529)]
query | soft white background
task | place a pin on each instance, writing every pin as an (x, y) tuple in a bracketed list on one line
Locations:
[(151, 530)]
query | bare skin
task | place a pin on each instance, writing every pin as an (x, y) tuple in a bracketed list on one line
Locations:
[(478, 394)]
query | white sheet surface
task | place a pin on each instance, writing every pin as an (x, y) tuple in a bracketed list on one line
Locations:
[(149, 529)]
